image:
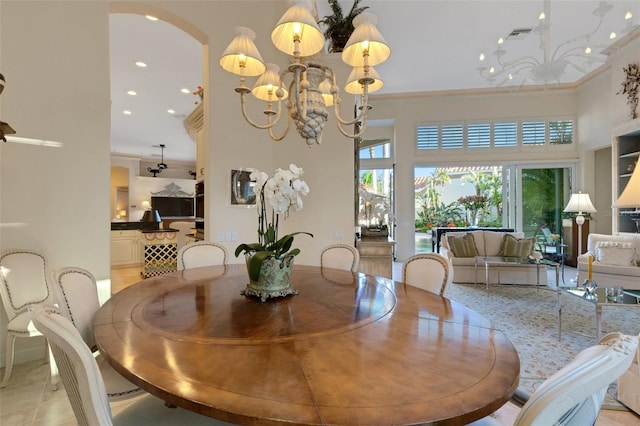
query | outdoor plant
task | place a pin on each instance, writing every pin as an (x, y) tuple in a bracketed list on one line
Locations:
[(473, 204), (440, 216), (338, 26), (276, 196)]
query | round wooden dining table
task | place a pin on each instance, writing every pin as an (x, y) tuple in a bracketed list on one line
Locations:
[(349, 349)]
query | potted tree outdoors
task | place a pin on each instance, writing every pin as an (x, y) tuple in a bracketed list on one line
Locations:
[(339, 27)]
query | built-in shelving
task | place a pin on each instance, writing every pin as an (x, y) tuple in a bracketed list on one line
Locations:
[(626, 157)]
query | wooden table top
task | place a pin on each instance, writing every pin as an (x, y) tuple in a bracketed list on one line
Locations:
[(349, 349)]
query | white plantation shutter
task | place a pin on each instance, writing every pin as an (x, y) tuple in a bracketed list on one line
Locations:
[(427, 137), (505, 134), (533, 132), (452, 136), (479, 135)]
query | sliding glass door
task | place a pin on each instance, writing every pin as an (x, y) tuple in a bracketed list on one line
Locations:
[(541, 194), (528, 198)]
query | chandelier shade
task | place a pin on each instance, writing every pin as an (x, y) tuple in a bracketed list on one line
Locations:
[(311, 87), (268, 83), (366, 41), (297, 31), (355, 82), (325, 89), (242, 57), (630, 197)]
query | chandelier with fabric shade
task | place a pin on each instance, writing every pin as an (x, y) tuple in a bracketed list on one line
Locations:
[(311, 86)]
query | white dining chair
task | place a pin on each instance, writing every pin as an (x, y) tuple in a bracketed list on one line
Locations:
[(340, 256), (77, 295), (428, 271), (573, 395), (23, 282), (85, 386), (201, 253), (184, 228)]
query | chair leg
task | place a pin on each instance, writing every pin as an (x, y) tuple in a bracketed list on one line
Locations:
[(53, 367), (8, 360)]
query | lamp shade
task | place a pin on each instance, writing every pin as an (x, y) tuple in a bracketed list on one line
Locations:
[(298, 23), (325, 89), (580, 203), (366, 38), (151, 216), (353, 85), (630, 197), (268, 83), (241, 57)]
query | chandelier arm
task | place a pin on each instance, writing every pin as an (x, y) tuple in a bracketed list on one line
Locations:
[(353, 135), (586, 37), (527, 60), (579, 54), (269, 124), (514, 68), (361, 116), (286, 129), (301, 106)]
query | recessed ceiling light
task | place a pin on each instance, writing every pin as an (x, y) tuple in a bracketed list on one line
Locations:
[(132, 92), (141, 64), (185, 90), (126, 112), (171, 111), (151, 17)]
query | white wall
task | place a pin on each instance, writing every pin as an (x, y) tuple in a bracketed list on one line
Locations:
[(54, 57)]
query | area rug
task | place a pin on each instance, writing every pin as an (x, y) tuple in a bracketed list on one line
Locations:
[(529, 318)]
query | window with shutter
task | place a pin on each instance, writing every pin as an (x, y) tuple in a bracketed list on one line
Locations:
[(479, 135), (533, 132), (452, 136), (505, 134), (427, 137), (560, 132)]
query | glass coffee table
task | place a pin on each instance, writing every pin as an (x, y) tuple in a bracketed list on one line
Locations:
[(629, 299), (501, 262)]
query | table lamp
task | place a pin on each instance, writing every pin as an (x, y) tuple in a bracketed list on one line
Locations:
[(630, 197), (579, 203)]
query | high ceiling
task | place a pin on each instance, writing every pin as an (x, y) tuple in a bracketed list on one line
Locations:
[(435, 47)]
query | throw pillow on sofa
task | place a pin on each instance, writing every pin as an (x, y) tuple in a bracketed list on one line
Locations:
[(618, 256), (463, 246), (516, 247)]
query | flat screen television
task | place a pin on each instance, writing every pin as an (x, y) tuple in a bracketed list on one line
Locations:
[(174, 206)]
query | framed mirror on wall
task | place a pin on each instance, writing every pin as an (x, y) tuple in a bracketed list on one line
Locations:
[(241, 188)]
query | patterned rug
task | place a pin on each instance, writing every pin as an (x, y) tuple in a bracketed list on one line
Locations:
[(529, 318)]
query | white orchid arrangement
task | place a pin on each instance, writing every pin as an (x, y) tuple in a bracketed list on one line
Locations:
[(280, 193)]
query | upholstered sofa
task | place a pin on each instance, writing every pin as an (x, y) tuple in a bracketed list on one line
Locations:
[(487, 243), (616, 260)]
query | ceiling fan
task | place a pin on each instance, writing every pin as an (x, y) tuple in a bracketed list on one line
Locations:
[(161, 165)]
